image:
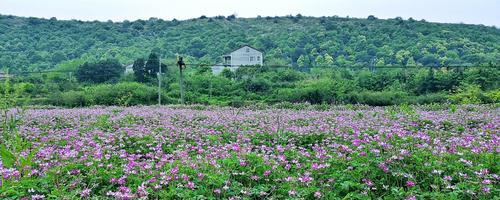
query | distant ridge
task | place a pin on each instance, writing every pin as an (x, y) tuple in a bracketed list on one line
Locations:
[(32, 44)]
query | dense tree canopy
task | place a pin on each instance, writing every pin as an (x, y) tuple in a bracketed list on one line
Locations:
[(100, 72), (38, 44), (325, 58)]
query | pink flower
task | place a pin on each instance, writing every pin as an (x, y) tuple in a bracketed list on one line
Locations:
[(315, 166), (74, 171), (267, 172), (201, 176), (356, 142), (292, 192), (174, 170), (368, 182), (85, 193), (190, 185), (37, 197), (317, 194), (384, 167), (217, 191), (306, 178), (410, 183), (411, 197), (448, 178)]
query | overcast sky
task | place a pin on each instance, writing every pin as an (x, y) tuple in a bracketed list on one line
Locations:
[(485, 12)]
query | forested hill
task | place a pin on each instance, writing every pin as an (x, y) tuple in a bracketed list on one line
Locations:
[(39, 44)]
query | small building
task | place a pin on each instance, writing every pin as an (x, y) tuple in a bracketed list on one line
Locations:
[(242, 56), (4, 76), (129, 69)]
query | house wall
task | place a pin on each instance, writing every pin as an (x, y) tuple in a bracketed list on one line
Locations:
[(244, 57)]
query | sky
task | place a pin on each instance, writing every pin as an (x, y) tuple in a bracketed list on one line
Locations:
[(485, 12)]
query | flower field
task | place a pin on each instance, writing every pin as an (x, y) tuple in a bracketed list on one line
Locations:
[(344, 152)]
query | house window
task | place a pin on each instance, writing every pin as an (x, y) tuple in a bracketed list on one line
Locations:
[(248, 50), (258, 58), (251, 58)]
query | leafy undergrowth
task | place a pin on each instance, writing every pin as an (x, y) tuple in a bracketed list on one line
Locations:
[(222, 153)]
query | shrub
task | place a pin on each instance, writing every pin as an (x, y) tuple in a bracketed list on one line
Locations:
[(257, 85), (383, 98), (428, 98), (492, 96), (467, 94), (75, 99), (123, 94)]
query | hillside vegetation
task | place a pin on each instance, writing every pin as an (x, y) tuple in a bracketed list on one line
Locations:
[(75, 63), (33, 44)]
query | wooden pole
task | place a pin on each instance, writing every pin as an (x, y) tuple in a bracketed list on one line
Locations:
[(159, 80), (181, 64)]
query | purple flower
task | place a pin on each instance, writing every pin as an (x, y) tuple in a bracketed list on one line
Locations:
[(411, 197), (174, 170), (317, 194), (368, 182), (201, 176), (267, 172), (410, 183), (85, 193), (190, 185)]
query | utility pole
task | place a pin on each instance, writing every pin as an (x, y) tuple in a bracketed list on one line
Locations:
[(211, 87), (181, 65), (159, 80)]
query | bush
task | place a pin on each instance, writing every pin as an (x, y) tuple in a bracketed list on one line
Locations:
[(383, 98), (123, 94), (75, 99), (257, 85), (126, 94), (492, 96), (236, 102), (428, 98), (467, 94), (99, 72)]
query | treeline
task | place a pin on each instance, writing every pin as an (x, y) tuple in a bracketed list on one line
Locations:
[(105, 83), (34, 44)]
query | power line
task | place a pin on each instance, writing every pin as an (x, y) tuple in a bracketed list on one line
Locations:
[(287, 66)]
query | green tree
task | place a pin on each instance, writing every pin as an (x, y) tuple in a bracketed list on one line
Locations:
[(302, 61), (139, 70), (152, 64), (328, 60), (320, 60), (226, 72), (99, 72)]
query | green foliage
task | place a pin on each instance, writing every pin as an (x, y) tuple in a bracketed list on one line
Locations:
[(326, 61), (139, 70), (100, 72), (124, 94), (468, 94), (38, 44), (384, 98)]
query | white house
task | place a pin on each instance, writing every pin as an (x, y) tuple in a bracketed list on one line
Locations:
[(4, 76), (129, 69), (244, 55)]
